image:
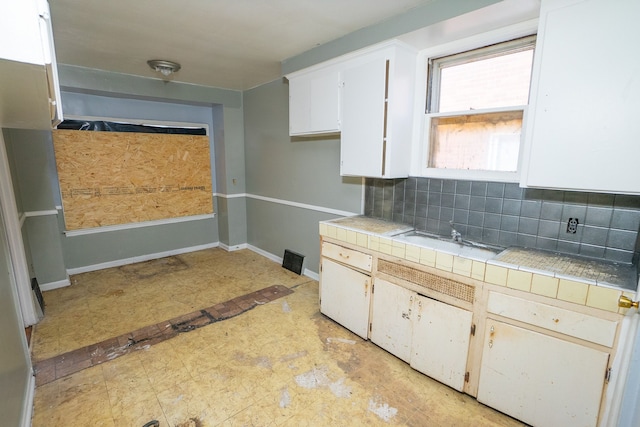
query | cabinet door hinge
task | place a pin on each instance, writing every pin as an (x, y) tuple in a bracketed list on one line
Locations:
[(373, 287), (466, 377), (473, 330), (607, 376), (370, 326)]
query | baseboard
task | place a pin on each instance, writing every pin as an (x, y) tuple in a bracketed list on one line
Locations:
[(233, 247), (265, 254), (55, 285), (141, 258), (308, 273), (126, 261), (311, 274), (27, 408)]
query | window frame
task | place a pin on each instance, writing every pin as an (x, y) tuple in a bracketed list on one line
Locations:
[(421, 148)]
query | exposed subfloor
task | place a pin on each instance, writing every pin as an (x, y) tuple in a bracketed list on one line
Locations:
[(262, 358)]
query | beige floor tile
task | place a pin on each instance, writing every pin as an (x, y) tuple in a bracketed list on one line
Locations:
[(139, 413), (253, 369), (185, 401)]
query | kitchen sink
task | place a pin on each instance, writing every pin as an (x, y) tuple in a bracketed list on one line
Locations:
[(464, 248)]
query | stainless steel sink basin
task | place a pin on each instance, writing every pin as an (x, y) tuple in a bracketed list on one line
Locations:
[(464, 248)]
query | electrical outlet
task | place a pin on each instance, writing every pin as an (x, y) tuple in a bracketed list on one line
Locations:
[(572, 225)]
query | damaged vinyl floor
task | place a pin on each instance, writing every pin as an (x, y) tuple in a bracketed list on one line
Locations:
[(262, 355)]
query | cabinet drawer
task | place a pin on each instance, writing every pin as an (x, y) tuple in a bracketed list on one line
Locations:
[(578, 325), (347, 256)]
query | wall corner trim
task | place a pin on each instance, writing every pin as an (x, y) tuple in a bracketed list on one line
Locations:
[(27, 408)]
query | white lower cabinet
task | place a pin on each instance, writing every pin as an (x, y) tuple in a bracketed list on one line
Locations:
[(430, 335), (345, 295), (440, 343), (539, 379), (391, 324)]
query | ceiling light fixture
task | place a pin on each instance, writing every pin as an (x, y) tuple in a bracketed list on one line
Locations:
[(163, 66)]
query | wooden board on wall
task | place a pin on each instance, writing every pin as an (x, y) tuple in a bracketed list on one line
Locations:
[(109, 178)]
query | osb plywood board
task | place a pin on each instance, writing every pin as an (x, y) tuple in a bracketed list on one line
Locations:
[(109, 178)]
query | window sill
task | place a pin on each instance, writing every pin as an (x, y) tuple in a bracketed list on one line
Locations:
[(470, 175)]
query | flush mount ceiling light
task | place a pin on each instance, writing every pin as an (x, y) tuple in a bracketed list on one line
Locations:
[(163, 66)]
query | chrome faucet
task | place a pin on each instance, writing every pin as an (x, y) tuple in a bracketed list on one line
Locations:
[(455, 234)]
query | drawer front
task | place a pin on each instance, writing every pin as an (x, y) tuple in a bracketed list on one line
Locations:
[(347, 256), (578, 325)]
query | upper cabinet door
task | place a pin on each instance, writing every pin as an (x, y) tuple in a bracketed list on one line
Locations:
[(377, 112), (362, 143), (583, 131), (314, 103), (29, 88), (20, 32)]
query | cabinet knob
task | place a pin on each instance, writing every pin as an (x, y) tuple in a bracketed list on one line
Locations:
[(626, 302)]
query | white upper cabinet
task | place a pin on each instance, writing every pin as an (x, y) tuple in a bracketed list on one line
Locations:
[(377, 112), (29, 88), (583, 131), (314, 102), (368, 97)]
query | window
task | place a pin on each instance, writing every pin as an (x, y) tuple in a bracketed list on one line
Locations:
[(475, 107)]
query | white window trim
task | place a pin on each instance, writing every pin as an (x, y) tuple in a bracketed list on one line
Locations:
[(420, 151)]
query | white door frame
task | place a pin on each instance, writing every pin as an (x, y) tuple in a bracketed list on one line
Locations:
[(14, 236)]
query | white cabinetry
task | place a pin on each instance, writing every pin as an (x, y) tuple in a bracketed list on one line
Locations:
[(29, 88), (582, 131), (314, 102), (440, 343), (541, 378), (430, 335), (345, 293), (377, 112), (391, 324)]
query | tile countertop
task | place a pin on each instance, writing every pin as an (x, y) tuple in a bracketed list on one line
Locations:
[(371, 225), (600, 273), (596, 272)]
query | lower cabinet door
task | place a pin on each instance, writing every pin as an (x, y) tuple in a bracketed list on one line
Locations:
[(541, 380), (391, 318), (440, 344), (345, 295)]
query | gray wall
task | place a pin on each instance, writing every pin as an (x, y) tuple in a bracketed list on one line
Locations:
[(15, 366), (87, 250), (36, 187), (507, 215), (97, 93), (230, 175), (302, 170), (155, 99)]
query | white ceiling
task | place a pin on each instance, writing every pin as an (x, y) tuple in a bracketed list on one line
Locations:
[(233, 44)]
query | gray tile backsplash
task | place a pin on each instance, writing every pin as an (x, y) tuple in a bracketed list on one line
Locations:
[(507, 215)]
